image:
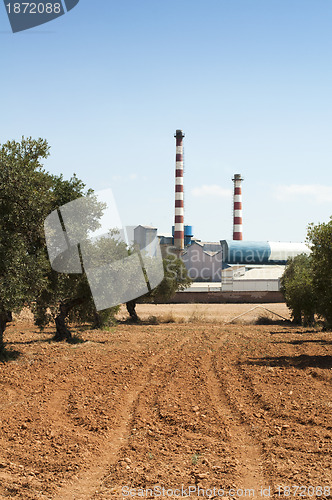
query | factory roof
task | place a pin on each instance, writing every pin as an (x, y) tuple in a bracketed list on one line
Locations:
[(165, 235), (208, 246), (203, 287), (260, 273), (146, 227)]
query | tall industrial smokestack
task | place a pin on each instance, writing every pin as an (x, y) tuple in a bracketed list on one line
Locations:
[(237, 208), (179, 210)]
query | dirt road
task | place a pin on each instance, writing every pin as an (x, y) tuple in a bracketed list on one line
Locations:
[(221, 408)]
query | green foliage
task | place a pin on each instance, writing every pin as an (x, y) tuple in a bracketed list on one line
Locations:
[(106, 318), (307, 281), (24, 202), (27, 195), (66, 288), (297, 287), (175, 279), (319, 238), (60, 287)]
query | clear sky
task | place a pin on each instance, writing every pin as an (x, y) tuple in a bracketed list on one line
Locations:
[(249, 82)]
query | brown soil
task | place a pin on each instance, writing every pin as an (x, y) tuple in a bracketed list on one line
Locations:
[(200, 404)]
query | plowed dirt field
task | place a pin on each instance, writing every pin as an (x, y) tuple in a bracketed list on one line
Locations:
[(203, 409)]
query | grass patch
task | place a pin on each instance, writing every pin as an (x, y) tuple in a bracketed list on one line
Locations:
[(264, 320), (163, 319), (195, 458), (110, 329), (168, 318), (152, 320), (196, 317)]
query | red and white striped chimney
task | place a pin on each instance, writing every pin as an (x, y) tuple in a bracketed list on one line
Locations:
[(179, 209), (237, 208)]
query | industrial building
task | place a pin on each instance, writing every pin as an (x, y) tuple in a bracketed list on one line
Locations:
[(226, 270), (144, 237), (203, 261)]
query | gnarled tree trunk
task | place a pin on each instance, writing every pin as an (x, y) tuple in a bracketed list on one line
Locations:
[(5, 317), (62, 331), (97, 320), (131, 305)]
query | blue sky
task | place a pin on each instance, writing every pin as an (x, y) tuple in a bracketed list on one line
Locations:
[(249, 82)]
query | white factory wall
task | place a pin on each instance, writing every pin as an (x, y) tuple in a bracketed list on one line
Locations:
[(256, 286), (254, 279)]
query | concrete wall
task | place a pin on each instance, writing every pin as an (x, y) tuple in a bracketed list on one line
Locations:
[(256, 286), (227, 297)]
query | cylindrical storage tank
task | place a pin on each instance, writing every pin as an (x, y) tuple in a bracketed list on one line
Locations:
[(245, 252), (260, 252), (282, 251), (188, 231), (188, 234)]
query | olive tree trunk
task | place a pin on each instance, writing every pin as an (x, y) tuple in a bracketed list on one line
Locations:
[(62, 330), (131, 308), (5, 317)]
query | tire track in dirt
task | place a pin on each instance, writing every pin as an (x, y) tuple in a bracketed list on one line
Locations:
[(12, 397), (87, 483), (55, 407), (246, 449), (248, 452), (83, 390), (253, 398), (243, 446), (159, 432)]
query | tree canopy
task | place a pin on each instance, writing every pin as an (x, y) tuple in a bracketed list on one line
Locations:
[(307, 281), (319, 238), (25, 199), (297, 287), (27, 195)]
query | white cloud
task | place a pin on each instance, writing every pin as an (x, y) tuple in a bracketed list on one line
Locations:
[(211, 190), (316, 193)]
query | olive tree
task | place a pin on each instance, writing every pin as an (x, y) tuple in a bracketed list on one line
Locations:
[(297, 287), (25, 199), (68, 296), (28, 193), (319, 238), (307, 281)]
